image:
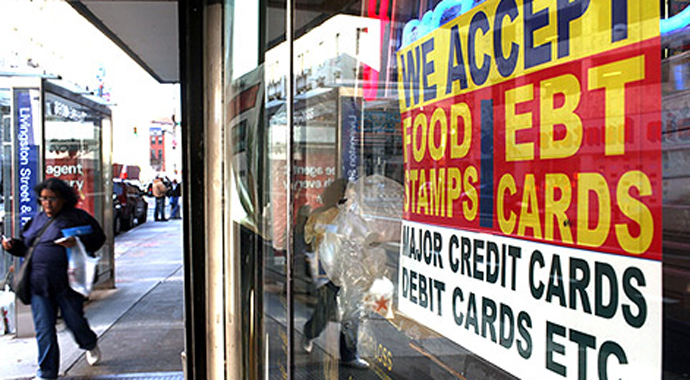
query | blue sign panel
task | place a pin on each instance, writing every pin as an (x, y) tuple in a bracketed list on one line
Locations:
[(350, 137), (27, 156)]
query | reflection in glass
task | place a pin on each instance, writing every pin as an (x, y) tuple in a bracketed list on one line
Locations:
[(73, 149), (363, 73)]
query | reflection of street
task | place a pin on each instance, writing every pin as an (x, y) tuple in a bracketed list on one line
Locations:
[(356, 237), (392, 355)]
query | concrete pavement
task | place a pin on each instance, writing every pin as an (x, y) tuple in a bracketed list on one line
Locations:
[(139, 323)]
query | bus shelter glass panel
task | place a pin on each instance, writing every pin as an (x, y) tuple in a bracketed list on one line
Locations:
[(477, 189), (74, 153)]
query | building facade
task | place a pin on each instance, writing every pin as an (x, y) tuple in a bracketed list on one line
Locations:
[(157, 147), (443, 189)]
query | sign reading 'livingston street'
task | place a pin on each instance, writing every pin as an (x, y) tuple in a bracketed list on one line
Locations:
[(532, 215)]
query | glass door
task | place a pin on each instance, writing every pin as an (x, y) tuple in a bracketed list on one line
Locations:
[(461, 189)]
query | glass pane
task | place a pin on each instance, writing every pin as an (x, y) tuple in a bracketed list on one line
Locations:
[(347, 190), (73, 152), (675, 142), (276, 318), (257, 182), (480, 184), (479, 189)]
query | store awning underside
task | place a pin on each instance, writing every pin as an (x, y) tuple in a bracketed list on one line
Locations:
[(146, 30)]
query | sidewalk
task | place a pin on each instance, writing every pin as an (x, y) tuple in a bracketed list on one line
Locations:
[(139, 323)]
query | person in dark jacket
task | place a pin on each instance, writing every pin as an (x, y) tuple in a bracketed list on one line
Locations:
[(175, 194), (49, 285)]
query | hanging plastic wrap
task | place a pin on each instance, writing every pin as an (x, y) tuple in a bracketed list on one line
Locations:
[(351, 251), (378, 200)]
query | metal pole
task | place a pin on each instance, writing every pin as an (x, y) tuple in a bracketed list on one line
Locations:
[(289, 30), (216, 208)]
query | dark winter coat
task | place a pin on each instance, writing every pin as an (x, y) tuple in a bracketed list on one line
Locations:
[(49, 262)]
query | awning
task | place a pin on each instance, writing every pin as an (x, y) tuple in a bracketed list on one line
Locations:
[(146, 30)]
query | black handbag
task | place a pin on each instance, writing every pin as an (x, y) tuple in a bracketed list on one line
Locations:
[(21, 283)]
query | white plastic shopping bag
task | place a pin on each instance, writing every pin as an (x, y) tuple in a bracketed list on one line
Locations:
[(7, 305), (81, 268)]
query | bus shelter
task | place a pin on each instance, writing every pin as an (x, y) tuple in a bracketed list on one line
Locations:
[(51, 130)]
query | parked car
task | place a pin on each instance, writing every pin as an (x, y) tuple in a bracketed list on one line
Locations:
[(129, 206)]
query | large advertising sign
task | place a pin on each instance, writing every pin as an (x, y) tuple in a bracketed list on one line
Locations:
[(532, 215), (79, 172)]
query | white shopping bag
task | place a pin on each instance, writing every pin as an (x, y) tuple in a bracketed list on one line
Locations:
[(81, 269), (7, 305)]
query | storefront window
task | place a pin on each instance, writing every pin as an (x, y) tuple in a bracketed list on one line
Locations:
[(467, 189)]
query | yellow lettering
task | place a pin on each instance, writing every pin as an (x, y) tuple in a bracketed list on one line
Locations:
[(516, 122), (612, 78), (507, 225), (406, 125), (454, 177), (413, 175), (438, 191), (423, 196), (635, 210), (437, 151), (596, 184), (406, 197), (529, 211), (569, 86), (470, 210), (556, 208), (419, 150), (460, 110)]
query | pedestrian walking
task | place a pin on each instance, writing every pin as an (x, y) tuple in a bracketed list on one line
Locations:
[(175, 193), (42, 240), (159, 191)]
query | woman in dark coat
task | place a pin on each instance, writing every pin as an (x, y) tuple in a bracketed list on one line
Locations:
[(49, 285)]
